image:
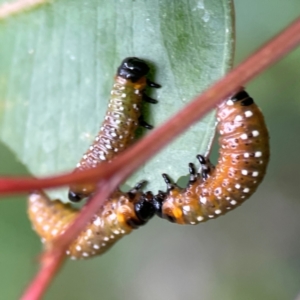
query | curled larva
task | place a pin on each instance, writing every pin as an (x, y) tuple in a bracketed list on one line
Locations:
[(121, 213), (243, 159), (122, 118)]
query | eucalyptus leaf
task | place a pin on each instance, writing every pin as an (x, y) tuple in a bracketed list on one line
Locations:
[(57, 64)]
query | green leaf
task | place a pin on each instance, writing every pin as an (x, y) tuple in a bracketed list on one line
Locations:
[(57, 67)]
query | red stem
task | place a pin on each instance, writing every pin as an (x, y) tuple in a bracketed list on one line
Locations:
[(119, 169)]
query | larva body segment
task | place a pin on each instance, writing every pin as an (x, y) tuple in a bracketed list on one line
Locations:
[(116, 218), (122, 118), (242, 163)]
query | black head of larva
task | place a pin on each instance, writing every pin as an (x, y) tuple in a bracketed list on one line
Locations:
[(144, 208), (243, 97), (133, 68)]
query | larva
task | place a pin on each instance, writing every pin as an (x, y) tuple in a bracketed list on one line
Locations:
[(243, 159), (121, 120), (121, 213)]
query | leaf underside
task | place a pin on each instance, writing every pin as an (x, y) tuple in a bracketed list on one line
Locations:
[(57, 64)]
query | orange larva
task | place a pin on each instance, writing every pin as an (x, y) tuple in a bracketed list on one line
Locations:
[(122, 118), (243, 159), (121, 213)]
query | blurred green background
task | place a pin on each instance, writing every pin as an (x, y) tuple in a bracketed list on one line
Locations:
[(251, 253)]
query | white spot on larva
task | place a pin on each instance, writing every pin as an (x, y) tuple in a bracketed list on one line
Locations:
[(116, 149), (78, 165), (203, 199), (103, 244), (258, 154), (54, 231), (39, 219), (246, 155), (244, 136), (229, 189), (238, 118), (86, 238), (221, 132), (243, 197), (229, 102), (113, 134), (227, 198), (89, 232), (43, 240), (108, 146), (97, 222), (123, 95), (136, 92), (34, 209), (186, 208), (46, 227), (255, 174), (122, 231), (218, 119), (78, 248), (85, 254), (248, 113), (68, 252), (228, 207), (233, 202), (91, 147), (118, 121), (34, 197), (112, 236), (73, 258), (237, 186), (102, 157), (255, 133), (218, 211), (192, 223), (255, 181), (211, 216), (246, 190), (200, 218), (244, 172)]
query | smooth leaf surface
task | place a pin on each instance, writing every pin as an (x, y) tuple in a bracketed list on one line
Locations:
[(57, 67)]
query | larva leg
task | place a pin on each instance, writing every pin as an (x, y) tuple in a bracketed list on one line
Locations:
[(206, 166), (148, 99), (153, 84), (193, 174), (144, 124)]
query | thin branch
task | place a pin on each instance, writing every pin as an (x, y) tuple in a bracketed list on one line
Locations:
[(9, 9), (160, 137), (119, 169)]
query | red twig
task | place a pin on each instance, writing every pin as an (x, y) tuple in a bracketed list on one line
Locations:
[(9, 9), (119, 169)]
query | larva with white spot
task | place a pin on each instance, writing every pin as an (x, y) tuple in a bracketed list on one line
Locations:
[(122, 118), (121, 213), (243, 159)]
